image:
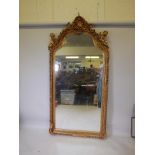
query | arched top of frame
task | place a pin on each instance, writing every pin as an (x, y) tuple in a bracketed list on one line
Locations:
[(79, 25)]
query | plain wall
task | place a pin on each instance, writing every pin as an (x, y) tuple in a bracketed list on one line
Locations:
[(53, 11), (34, 78)]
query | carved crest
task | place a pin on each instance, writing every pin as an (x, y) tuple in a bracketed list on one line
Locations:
[(79, 25)]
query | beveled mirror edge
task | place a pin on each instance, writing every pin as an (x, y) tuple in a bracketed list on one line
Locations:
[(79, 25)]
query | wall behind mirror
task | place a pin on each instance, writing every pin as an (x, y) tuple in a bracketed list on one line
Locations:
[(34, 78), (98, 10)]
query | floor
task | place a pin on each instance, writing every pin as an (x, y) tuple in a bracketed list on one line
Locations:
[(40, 142), (78, 117)]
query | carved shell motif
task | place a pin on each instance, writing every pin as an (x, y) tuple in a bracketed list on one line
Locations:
[(79, 25)]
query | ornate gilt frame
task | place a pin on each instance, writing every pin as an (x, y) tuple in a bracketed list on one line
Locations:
[(79, 25)]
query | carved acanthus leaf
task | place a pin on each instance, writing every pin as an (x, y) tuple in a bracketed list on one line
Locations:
[(79, 25)]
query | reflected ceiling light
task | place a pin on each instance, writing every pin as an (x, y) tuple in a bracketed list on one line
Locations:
[(92, 57), (72, 57)]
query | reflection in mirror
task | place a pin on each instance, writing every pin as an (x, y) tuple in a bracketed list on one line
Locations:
[(78, 84)]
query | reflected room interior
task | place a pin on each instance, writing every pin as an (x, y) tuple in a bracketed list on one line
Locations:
[(78, 84)]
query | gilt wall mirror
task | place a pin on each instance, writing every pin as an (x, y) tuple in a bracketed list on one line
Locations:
[(79, 61)]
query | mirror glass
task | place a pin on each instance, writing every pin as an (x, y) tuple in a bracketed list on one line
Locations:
[(78, 84)]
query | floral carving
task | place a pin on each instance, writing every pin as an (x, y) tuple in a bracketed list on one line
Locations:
[(79, 25)]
